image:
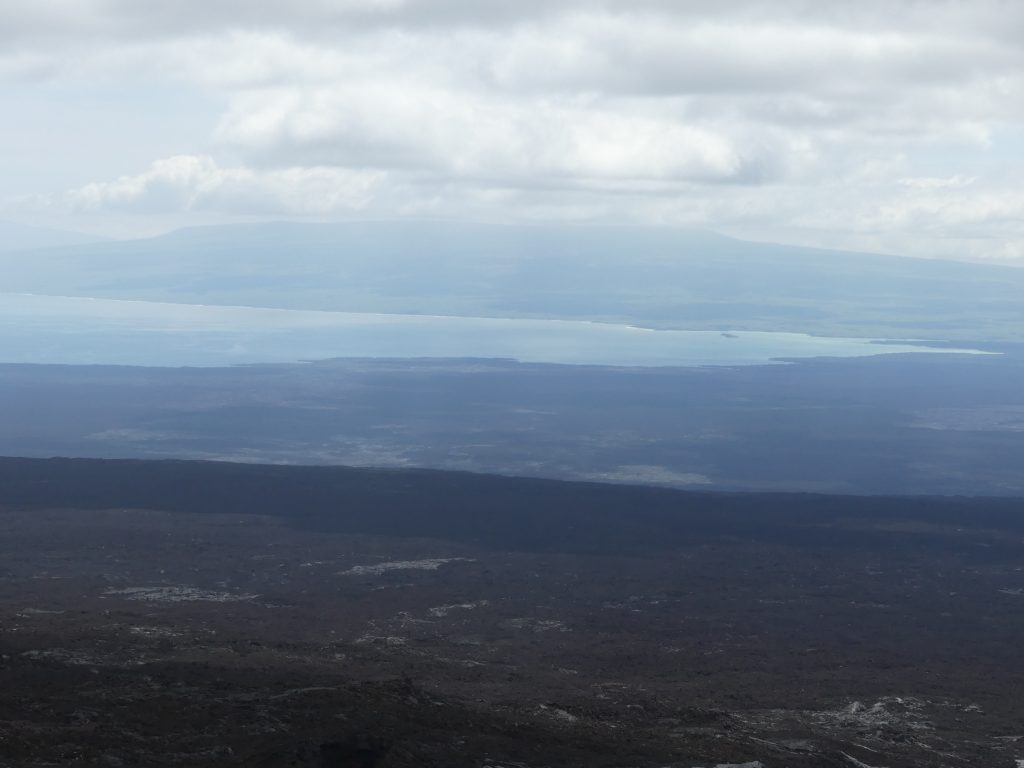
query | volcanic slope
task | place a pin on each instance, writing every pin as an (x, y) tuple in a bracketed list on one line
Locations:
[(210, 614)]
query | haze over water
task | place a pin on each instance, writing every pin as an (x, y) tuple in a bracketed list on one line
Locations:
[(66, 330)]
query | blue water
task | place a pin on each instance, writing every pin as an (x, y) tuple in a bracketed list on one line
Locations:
[(56, 329)]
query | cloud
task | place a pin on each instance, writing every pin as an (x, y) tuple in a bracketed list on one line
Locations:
[(191, 183), (819, 121), (128, 18), (386, 124)]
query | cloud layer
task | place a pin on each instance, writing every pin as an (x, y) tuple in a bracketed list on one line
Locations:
[(893, 125)]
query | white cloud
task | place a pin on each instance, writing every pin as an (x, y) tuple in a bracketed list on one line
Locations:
[(878, 123), (191, 183), (525, 142)]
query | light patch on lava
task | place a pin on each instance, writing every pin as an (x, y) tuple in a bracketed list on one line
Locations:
[(443, 610), (403, 565), (178, 594)]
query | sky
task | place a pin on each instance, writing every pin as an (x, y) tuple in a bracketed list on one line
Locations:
[(882, 125)]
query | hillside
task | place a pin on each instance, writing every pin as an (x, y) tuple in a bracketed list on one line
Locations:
[(650, 277), (21, 237), (486, 510), (207, 614)]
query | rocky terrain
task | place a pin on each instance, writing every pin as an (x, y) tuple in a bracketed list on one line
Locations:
[(798, 631)]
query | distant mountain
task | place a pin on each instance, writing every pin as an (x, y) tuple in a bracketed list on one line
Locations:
[(645, 276), (21, 237)]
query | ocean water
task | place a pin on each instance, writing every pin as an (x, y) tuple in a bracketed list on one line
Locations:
[(66, 330)]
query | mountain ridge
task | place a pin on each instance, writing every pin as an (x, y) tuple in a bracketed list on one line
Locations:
[(15, 237), (652, 278)]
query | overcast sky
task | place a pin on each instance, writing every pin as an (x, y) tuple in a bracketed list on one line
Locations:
[(885, 125)]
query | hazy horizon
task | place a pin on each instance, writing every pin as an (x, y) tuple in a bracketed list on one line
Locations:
[(512, 383), (622, 185)]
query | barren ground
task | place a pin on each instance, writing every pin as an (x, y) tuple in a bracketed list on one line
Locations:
[(148, 638)]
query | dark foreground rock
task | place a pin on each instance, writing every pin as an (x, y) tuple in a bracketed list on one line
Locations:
[(785, 631)]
